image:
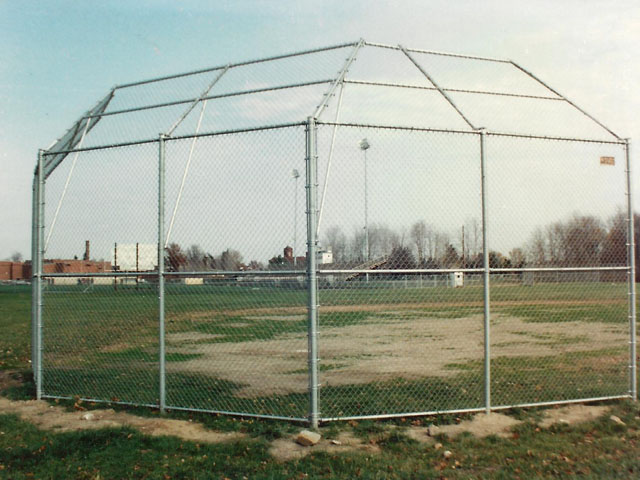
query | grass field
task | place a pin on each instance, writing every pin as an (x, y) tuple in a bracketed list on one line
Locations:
[(382, 350), (109, 346), (596, 449)]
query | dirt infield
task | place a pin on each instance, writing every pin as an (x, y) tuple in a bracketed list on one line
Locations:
[(376, 349)]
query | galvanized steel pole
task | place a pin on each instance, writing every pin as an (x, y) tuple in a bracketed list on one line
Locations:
[(631, 258), (161, 195), (34, 255), (38, 268), (312, 279), (366, 210), (485, 275), (295, 174)]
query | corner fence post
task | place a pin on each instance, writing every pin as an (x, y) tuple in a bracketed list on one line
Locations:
[(38, 267), (161, 196), (312, 278), (34, 288), (631, 264), (485, 275)]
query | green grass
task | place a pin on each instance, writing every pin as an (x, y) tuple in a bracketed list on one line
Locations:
[(597, 449), (15, 308), (250, 328), (78, 327), (103, 343)]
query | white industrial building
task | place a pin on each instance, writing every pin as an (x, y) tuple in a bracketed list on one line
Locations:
[(134, 257)]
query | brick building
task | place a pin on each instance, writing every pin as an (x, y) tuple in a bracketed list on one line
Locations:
[(16, 271), (13, 271)]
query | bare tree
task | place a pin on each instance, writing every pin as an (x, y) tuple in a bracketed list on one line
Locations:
[(196, 258), (431, 245), (579, 241), (175, 258), (517, 258), (537, 248), (419, 238), (355, 246), (584, 237), (16, 257), (442, 243), (230, 260), (255, 265), (337, 240), (382, 240), (614, 247), (472, 237), (556, 243)]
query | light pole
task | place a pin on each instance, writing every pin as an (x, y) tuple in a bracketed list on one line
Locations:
[(295, 175), (364, 146)]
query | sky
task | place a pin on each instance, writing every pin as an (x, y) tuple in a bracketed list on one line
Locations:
[(60, 57)]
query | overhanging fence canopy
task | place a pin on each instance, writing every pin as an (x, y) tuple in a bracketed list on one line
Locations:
[(359, 83)]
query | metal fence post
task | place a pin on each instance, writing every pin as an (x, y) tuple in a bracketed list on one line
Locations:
[(631, 259), (34, 254), (161, 197), (312, 279), (38, 267), (485, 275)]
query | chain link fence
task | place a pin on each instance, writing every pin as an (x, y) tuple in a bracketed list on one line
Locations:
[(361, 231)]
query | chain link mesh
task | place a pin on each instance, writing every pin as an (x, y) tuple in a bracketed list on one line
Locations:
[(557, 333), (400, 254), (396, 342), (236, 331), (100, 333)]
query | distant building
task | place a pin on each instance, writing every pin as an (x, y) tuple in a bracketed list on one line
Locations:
[(324, 257), (135, 257), (288, 257), (86, 265), (58, 265), (15, 271)]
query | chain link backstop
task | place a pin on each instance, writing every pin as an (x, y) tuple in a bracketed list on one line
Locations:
[(356, 231)]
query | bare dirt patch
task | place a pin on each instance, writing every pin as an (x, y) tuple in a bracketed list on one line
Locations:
[(285, 449), (10, 379), (281, 318), (383, 349), (183, 337), (50, 417), (481, 425), (572, 414)]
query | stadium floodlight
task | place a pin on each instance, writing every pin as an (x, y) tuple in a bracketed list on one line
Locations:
[(364, 146), (295, 174)]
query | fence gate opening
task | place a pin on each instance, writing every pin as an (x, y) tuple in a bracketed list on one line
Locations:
[(356, 231)]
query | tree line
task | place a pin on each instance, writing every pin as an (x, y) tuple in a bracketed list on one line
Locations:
[(581, 240), (195, 259), (578, 241)]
